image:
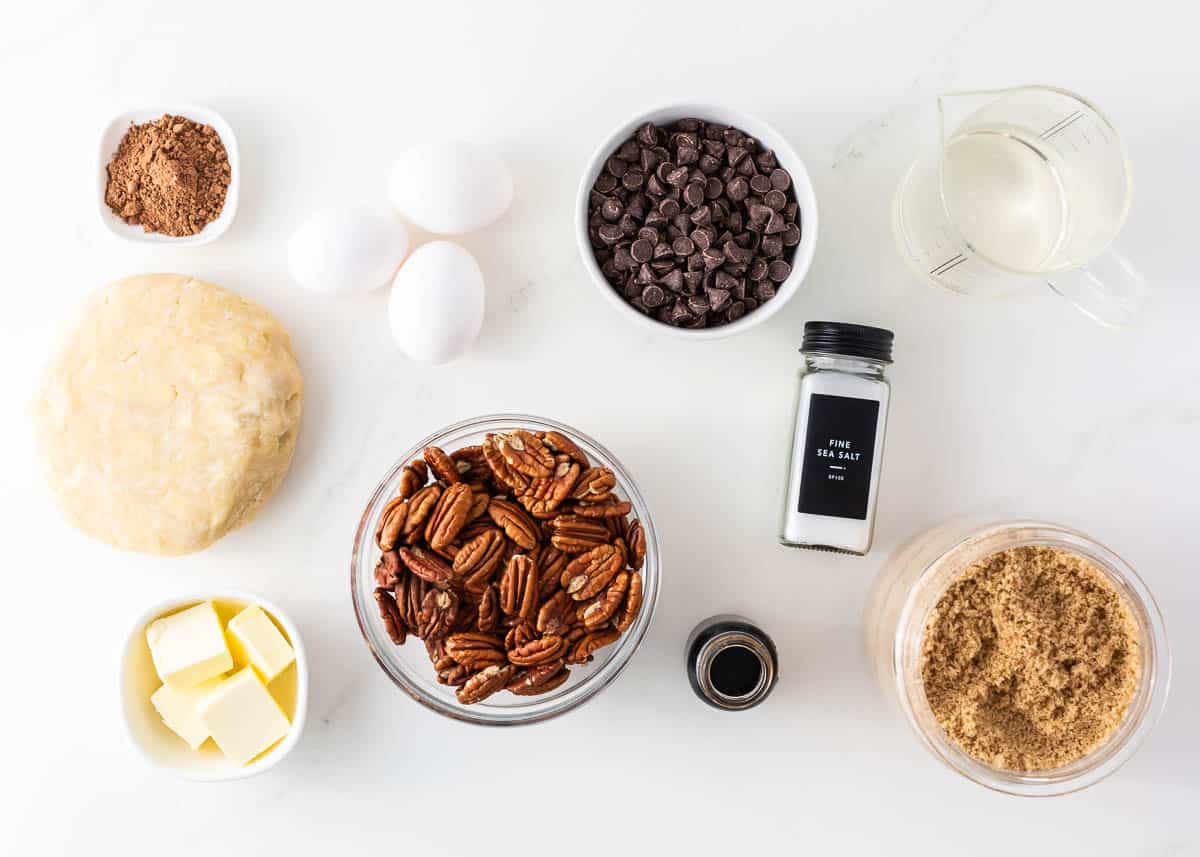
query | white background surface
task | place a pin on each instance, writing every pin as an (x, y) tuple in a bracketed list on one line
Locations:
[(1019, 408)]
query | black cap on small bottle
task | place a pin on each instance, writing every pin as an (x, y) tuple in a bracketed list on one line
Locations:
[(851, 340)]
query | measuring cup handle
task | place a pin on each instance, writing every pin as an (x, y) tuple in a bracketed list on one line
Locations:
[(1109, 289)]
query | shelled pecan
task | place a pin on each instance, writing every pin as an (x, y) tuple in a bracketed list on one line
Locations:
[(517, 560)]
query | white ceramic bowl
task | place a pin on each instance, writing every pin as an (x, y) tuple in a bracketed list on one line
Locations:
[(111, 139), (788, 159), (162, 747)]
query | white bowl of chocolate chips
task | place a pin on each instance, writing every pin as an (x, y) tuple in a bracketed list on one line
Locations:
[(697, 220)]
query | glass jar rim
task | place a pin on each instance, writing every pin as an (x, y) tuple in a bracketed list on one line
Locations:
[(1142, 713)]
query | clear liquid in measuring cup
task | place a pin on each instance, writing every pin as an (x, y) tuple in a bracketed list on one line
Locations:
[(1006, 197)]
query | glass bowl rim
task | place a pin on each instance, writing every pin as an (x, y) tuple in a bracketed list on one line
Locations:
[(592, 684)]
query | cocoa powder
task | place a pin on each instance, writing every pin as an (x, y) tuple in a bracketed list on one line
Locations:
[(169, 176), (1030, 658)]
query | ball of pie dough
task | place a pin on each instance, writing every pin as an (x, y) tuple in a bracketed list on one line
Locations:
[(170, 415)]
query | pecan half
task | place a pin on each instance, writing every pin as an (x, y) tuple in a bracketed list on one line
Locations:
[(635, 539), (511, 518), (605, 605), (546, 493), (488, 615), (392, 622), (557, 614), (539, 651), (525, 453), (391, 523), (519, 587), (426, 566), (470, 464), (559, 442), (582, 652), (420, 507), (593, 483), (387, 570), (605, 509), (518, 635), (441, 465), (449, 516), (539, 679), (551, 565), (590, 572), (502, 472), (484, 683), (633, 603), (474, 650), (573, 534), (410, 592), (477, 561), (452, 674), (413, 478), (439, 612), (479, 505)]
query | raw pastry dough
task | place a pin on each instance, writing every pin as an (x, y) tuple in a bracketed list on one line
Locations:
[(170, 415)]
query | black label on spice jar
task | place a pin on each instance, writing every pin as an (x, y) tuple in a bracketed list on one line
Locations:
[(839, 446)]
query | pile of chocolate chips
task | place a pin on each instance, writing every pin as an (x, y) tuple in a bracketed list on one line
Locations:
[(695, 224)]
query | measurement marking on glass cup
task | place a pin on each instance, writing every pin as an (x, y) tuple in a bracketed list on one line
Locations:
[(952, 262), (1061, 125)]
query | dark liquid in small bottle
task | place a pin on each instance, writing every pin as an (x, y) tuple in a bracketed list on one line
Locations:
[(731, 664), (735, 671)]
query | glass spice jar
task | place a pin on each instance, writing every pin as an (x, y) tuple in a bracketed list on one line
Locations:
[(837, 443)]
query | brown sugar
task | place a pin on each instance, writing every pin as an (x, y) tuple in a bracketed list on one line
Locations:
[(1030, 658), (169, 176)]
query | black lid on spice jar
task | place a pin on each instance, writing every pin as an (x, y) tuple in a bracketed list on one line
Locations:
[(851, 340)]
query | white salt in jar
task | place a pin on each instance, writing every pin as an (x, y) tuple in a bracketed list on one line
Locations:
[(837, 444)]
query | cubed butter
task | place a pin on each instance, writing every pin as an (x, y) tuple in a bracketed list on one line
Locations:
[(179, 708), (253, 633), (242, 717), (189, 647)]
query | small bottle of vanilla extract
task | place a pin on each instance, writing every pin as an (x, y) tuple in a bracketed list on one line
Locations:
[(837, 443), (731, 663)]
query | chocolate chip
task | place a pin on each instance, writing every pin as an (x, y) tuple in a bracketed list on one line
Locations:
[(616, 166), (605, 184), (653, 296), (718, 299), (673, 280), (698, 304), (611, 210), (764, 291), (758, 270), (687, 154), (632, 180), (683, 246), (772, 245), (734, 155), (760, 184), (610, 233), (701, 239), (735, 311), (668, 207), (779, 270), (648, 134), (766, 161), (713, 188), (642, 250), (737, 189), (781, 179), (791, 235), (750, 305), (662, 250), (774, 199), (775, 224), (629, 151), (693, 194), (679, 312), (649, 234), (677, 177)]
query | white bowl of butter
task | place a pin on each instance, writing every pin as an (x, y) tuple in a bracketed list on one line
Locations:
[(214, 687)]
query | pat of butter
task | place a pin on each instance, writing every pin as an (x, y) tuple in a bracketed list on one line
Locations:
[(242, 716), (189, 647), (264, 646), (179, 708)]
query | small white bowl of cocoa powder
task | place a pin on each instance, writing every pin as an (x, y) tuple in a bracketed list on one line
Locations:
[(168, 175)]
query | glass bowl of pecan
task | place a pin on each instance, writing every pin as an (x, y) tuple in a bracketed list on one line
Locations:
[(505, 570)]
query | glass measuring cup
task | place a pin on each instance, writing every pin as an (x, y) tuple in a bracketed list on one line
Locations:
[(1028, 185)]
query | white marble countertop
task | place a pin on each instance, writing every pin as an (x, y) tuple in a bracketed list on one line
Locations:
[(1016, 408)]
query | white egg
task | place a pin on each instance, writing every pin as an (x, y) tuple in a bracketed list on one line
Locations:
[(436, 306), (348, 248), (449, 187)]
